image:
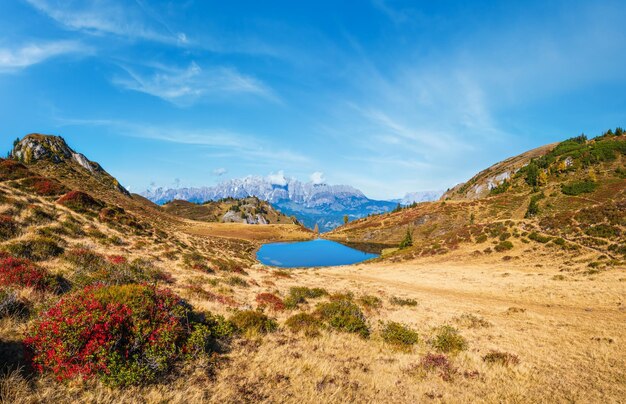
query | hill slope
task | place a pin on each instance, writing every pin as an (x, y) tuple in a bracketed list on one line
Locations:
[(249, 210), (569, 197)]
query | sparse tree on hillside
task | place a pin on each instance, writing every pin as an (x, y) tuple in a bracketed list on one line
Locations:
[(408, 239), (345, 219)]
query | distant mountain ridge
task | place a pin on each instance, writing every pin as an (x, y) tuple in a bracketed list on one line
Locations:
[(321, 204)]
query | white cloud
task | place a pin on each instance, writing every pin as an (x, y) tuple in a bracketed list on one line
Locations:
[(27, 55), (98, 17), (186, 86), (317, 178), (220, 171), (222, 143), (278, 178)]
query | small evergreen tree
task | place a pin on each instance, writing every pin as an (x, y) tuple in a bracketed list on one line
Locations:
[(408, 239), (345, 219)]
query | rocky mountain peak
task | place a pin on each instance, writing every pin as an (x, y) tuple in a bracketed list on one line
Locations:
[(36, 147)]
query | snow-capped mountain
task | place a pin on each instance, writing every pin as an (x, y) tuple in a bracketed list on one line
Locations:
[(312, 203), (422, 196)]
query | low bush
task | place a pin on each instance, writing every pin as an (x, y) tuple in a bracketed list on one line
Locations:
[(270, 300), (370, 302), (36, 249), (481, 238), (501, 358), (123, 335), (343, 315), (84, 258), (399, 301), (539, 237), (304, 323), (196, 261), (236, 281), (40, 216), (80, 202), (43, 186), (207, 336), (503, 246), (8, 228), (20, 272), (448, 340), (298, 295), (432, 362), (577, 188), (105, 272), (253, 322), (398, 334), (603, 230)]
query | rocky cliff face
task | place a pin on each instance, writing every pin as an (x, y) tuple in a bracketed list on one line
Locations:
[(38, 149)]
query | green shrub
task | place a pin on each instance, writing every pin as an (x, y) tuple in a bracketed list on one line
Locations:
[(481, 238), (370, 302), (500, 188), (299, 294), (206, 336), (577, 188), (304, 323), (448, 340), (539, 238), (398, 334), (253, 322), (503, 246), (399, 301), (37, 249), (236, 281), (343, 315), (533, 206), (603, 230), (407, 241)]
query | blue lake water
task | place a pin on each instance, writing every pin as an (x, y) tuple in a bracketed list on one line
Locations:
[(314, 253)]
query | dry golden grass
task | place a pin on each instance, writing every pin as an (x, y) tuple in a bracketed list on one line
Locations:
[(258, 233), (564, 323)]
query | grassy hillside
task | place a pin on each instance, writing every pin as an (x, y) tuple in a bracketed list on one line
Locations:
[(246, 210), (568, 197), (106, 297)]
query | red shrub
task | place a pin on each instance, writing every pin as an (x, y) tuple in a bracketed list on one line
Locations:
[(43, 186), (272, 301), (123, 334), (80, 202), (117, 259), (48, 187), (22, 273)]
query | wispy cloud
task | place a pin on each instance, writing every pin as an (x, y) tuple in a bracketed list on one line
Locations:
[(132, 20), (186, 86), (219, 143), (33, 53)]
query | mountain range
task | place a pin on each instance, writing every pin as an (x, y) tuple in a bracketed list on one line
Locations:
[(311, 203)]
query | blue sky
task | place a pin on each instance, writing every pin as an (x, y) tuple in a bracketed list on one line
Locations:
[(388, 96)]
